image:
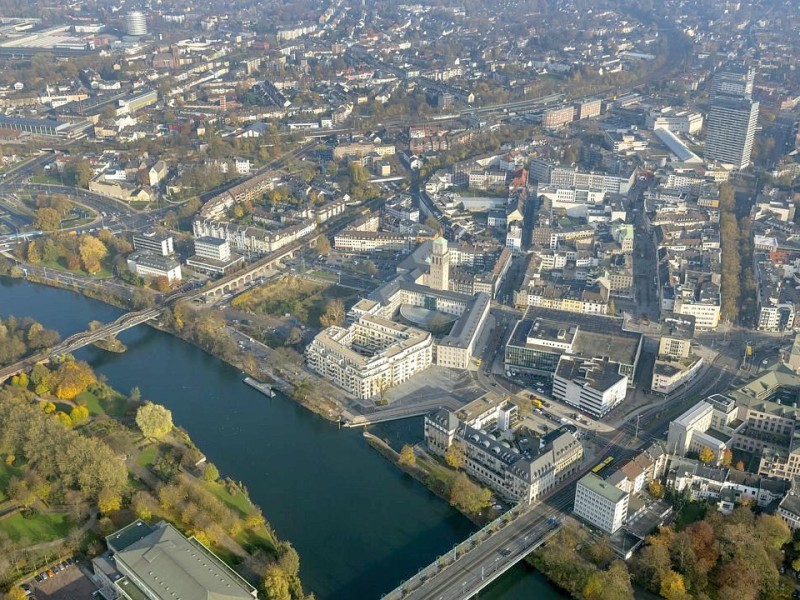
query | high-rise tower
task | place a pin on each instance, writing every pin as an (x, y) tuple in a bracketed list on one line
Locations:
[(135, 23), (439, 277), (732, 120)]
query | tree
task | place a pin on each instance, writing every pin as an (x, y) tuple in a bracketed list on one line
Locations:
[(72, 378), (276, 584), (295, 336), (431, 222), (33, 254), (47, 219), (468, 496), (407, 456), (153, 420), (79, 173), (706, 455), (370, 268), (740, 465), (79, 414), (162, 284), (334, 313), (288, 559), (673, 586), (656, 489), (613, 584), (19, 490), (92, 251), (210, 473), (135, 396), (455, 456), (727, 458), (323, 245), (16, 593), (108, 502)]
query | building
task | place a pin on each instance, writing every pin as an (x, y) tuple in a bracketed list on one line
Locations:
[(734, 80), (153, 242), (351, 240), (135, 23), (731, 130), (598, 502), (708, 424), (789, 508), (213, 255), (439, 276), (520, 475), (676, 121), (160, 563), (143, 264), (543, 335), (371, 355), (558, 117), (592, 386)]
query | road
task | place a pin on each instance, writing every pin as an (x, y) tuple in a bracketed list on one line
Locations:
[(478, 564)]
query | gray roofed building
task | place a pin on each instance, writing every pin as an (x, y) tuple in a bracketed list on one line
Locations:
[(165, 565)]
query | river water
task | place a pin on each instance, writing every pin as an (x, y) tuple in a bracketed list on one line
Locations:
[(359, 525)]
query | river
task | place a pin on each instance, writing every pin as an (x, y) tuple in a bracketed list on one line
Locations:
[(359, 525)]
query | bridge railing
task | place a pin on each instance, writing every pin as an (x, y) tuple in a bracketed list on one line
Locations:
[(459, 550)]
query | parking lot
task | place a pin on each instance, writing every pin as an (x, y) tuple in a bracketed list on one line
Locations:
[(68, 583)]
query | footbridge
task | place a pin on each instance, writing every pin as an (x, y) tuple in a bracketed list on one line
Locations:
[(81, 339)]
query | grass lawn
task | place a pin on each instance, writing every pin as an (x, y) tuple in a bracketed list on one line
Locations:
[(37, 528), (237, 502), (113, 407), (147, 456), (61, 265), (6, 473), (250, 539), (46, 179)]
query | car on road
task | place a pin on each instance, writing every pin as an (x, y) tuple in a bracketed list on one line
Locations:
[(505, 552)]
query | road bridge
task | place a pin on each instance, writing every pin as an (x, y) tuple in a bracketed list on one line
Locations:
[(81, 339), (483, 557)]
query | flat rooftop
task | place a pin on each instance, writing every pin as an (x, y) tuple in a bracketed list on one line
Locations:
[(602, 488)]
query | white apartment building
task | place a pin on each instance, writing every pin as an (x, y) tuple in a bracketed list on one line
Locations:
[(598, 502), (350, 240), (371, 355)]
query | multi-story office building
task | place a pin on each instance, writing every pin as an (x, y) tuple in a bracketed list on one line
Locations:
[(731, 130), (516, 474), (213, 255), (154, 243), (135, 23), (539, 339), (371, 355), (591, 386), (735, 80), (600, 503), (213, 248)]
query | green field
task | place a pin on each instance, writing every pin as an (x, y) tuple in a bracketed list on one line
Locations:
[(147, 456), (237, 502), (37, 528), (113, 407)]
